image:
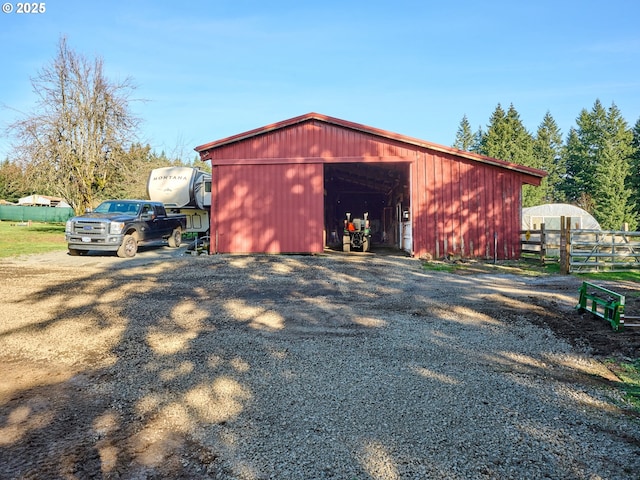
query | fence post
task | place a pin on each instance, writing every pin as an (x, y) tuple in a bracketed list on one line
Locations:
[(565, 245), (567, 242), (563, 249), (543, 245)]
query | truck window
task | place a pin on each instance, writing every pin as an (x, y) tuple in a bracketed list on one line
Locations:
[(132, 208), (104, 207)]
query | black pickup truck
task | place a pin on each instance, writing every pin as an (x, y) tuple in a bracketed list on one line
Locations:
[(121, 225)]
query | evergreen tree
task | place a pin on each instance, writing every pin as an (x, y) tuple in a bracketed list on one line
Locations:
[(547, 151), (573, 153), (612, 207), (582, 152), (465, 139), (614, 203), (493, 140), (477, 141), (598, 158), (507, 139), (634, 176)]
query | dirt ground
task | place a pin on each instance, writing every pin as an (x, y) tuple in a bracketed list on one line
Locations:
[(61, 333), (588, 330), (582, 329)]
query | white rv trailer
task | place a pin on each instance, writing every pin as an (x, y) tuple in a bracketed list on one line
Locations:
[(184, 190)]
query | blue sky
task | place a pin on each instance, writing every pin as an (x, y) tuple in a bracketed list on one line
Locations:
[(210, 69)]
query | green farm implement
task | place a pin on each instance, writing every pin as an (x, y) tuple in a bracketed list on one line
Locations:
[(605, 304)]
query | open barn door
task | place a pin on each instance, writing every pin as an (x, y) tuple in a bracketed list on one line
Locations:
[(378, 190)]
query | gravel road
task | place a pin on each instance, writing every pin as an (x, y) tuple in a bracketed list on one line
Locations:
[(298, 367)]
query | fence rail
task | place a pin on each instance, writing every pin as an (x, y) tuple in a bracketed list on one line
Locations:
[(540, 245), (594, 250), (582, 250)]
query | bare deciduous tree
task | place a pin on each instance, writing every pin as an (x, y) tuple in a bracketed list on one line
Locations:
[(73, 144)]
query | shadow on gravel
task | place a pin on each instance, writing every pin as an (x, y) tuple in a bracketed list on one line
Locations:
[(342, 367)]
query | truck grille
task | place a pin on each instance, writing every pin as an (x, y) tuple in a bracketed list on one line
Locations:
[(88, 228)]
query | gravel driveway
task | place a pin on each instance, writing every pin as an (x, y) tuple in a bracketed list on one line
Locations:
[(297, 367)]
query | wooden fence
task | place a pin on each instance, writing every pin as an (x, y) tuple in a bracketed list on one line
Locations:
[(582, 250), (541, 245)]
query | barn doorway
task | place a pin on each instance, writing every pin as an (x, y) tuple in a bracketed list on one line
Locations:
[(379, 189)]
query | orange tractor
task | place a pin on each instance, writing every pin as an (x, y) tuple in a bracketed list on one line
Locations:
[(356, 234)]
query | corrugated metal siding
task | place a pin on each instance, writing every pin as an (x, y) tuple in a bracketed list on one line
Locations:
[(313, 139), (268, 209), (463, 208), (270, 192)]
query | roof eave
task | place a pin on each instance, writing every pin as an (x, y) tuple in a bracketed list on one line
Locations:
[(534, 172)]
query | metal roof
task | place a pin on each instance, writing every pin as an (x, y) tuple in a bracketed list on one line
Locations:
[(202, 149)]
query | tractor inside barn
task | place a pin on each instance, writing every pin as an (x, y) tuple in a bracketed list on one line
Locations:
[(380, 190), (356, 233)]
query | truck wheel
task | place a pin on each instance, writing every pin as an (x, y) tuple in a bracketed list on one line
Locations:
[(74, 252), (175, 239), (129, 246)]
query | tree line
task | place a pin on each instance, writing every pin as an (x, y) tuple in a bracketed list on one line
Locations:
[(80, 144), (597, 166), (127, 180)]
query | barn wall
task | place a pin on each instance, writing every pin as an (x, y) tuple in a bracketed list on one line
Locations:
[(268, 209), (312, 139), (270, 189), (460, 206)]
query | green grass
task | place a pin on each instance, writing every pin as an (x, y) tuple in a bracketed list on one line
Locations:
[(629, 374), (16, 238), (628, 276), (517, 267), (522, 267)]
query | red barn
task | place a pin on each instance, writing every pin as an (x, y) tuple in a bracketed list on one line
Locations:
[(286, 187)]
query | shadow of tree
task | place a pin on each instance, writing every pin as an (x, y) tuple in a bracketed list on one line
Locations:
[(259, 366)]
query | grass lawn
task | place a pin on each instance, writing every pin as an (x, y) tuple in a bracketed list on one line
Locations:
[(18, 238), (629, 374), (629, 276), (519, 267)]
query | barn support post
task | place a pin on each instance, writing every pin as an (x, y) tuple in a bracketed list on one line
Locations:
[(214, 210)]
